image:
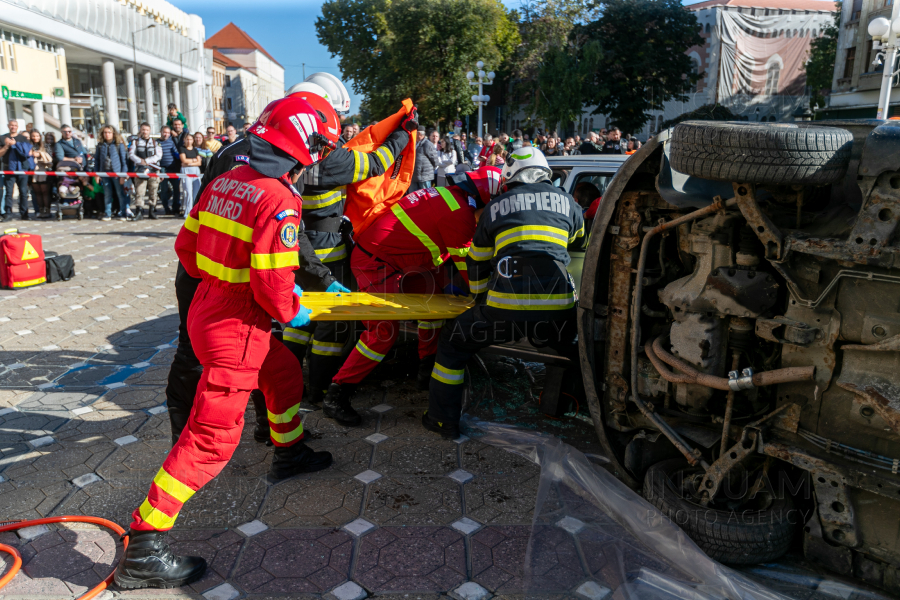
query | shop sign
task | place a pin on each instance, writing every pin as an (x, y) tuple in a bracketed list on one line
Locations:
[(9, 94)]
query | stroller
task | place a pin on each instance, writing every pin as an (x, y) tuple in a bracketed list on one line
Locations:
[(68, 192)]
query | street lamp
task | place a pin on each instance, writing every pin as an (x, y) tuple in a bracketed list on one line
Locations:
[(134, 61), (480, 99), (884, 39)]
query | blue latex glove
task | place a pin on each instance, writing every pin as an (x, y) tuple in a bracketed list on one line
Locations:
[(301, 319), (336, 288), (298, 290), (452, 290)]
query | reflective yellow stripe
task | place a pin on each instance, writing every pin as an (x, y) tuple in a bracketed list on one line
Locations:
[(279, 260), (577, 234), (297, 336), (221, 272), (226, 226), (385, 156), (430, 324), (460, 264), (553, 235), (21, 284), (448, 198), (332, 254), (420, 235), (317, 201), (481, 253), (479, 285), (368, 352), (360, 166), (458, 251), (448, 376), (530, 301), (156, 518), (327, 348), (286, 438), (178, 490), (285, 417), (192, 224)]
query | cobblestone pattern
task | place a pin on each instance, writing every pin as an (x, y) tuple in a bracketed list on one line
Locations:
[(84, 363)]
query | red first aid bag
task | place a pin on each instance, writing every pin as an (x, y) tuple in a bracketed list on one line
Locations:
[(23, 260)]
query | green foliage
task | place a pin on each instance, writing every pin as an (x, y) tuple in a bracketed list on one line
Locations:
[(547, 70), (560, 82), (643, 62), (419, 49), (820, 68), (707, 112)]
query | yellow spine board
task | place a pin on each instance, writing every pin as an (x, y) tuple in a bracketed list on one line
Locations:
[(359, 306)]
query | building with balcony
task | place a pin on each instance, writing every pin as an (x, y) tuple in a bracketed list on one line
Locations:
[(92, 62), (857, 80)]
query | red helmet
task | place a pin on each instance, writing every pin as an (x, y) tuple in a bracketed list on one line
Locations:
[(487, 181), (290, 124), (328, 122)]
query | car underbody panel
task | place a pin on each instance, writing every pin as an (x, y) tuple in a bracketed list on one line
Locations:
[(756, 336)]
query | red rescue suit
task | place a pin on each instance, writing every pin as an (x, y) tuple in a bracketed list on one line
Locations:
[(403, 252), (240, 239)]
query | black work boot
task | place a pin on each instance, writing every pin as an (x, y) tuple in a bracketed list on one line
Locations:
[(337, 404), (316, 395), (423, 377), (261, 431), (152, 213), (149, 562), (296, 459), (448, 431)]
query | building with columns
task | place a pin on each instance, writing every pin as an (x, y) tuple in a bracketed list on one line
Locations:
[(92, 62)]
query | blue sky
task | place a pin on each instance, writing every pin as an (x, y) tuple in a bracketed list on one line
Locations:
[(285, 28)]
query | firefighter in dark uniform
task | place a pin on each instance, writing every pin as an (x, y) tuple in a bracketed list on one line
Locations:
[(517, 271), (185, 372), (324, 195)]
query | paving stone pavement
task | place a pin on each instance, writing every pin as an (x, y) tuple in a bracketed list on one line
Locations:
[(83, 367)]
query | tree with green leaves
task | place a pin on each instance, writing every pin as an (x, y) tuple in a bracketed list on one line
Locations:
[(643, 62), (419, 49), (820, 68), (547, 71)]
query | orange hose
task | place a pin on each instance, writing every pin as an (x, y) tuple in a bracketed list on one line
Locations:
[(17, 563)]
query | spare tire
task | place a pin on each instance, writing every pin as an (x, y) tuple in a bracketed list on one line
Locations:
[(742, 536), (778, 153)]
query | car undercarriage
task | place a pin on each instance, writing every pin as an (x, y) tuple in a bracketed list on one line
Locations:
[(739, 331)]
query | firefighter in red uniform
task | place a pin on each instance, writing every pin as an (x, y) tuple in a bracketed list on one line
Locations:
[(403, 252), (241, 241)]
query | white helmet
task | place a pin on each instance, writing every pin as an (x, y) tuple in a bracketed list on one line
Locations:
[(306, 86), (525, 165), (336, 92)]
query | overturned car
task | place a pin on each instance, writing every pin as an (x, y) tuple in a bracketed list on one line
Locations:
[(739, 331)]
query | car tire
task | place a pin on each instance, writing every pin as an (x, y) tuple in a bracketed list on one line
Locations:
[(734, 537), (777, 153)]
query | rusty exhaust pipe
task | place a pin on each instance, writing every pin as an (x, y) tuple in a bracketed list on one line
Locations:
[(689, 374)]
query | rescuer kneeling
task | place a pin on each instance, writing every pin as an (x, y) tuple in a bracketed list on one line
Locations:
[(402, 251), (241, 241)]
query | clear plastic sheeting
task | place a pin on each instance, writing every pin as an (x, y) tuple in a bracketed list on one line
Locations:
[(596, 538)]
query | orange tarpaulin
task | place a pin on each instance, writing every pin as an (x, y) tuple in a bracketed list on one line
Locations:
[(369, 198)]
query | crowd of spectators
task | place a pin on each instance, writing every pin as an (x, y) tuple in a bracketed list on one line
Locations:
[(174, 149), (438, 156)]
